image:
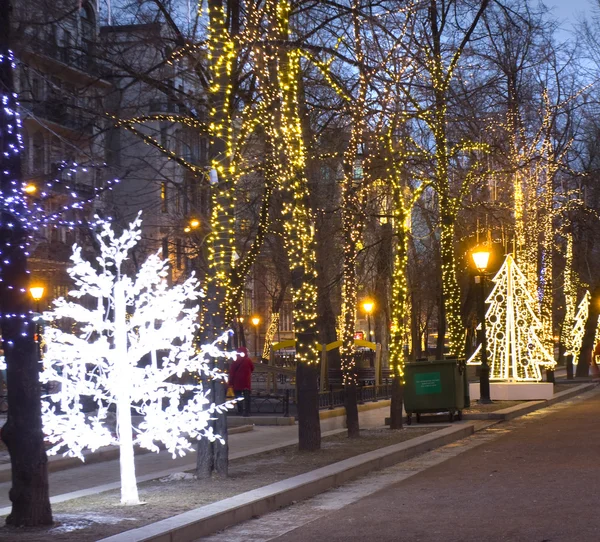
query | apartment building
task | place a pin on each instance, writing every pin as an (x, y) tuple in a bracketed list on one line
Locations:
[(61, 88), (162, 162)]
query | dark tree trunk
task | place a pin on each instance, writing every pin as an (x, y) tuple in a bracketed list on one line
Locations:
[(212, 457), (22, 432), (221, 451), (441, 338), (570, 367), (383, 291), (204, 459), (416, 340), (587, 344), (351, 404), (396, 403), (309, 424)]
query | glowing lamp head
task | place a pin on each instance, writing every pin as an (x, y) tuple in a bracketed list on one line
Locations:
[(481, 258), (37, 292), (368, 306), (255, 320), (30, 188), (194, 223)]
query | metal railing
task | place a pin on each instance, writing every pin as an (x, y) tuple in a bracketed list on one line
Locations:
[(285, 403), (337, 397)]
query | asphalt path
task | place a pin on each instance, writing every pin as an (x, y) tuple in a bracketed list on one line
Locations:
[(539, 481)]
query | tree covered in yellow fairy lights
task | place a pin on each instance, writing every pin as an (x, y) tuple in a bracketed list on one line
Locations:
[(285, 163), (438, 59)]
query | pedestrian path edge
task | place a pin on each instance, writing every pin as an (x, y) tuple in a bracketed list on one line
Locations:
[(108, 453), (220, 515), (214, 517)]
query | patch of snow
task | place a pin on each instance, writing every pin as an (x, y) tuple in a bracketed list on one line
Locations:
[(176, 476)]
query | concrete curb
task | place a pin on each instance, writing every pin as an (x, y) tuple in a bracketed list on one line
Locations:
[(530, 406), (222, 514), (109, 453), (261, 420), (217, 516), (365, 407)]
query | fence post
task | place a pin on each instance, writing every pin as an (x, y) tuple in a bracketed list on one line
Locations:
[(246, 403), (330, 397), (324, 368), (378, 364), (286, 404), (272, 376)]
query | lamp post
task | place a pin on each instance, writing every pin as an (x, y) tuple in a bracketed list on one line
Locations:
[(37, 292), (255, 322), (481, 258), (368, 306)]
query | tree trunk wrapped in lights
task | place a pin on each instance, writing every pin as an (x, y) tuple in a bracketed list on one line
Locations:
[(353, 221), (22, 432), (441, 68), (130, 351), (286, 161), (403, 200), (227, 136)]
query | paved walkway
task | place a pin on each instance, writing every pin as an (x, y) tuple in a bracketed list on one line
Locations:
[(534, 479), (90, 476)]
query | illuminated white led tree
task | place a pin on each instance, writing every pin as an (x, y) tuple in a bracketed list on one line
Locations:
[(575, 337), (133, 346), (515, 350)]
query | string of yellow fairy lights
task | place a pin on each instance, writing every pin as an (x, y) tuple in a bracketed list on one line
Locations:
[(285, 162), (353, 216)]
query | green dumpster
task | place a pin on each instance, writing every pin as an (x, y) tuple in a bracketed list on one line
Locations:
[(434, 386)]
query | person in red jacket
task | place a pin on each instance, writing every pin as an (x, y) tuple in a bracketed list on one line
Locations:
[(240, 379)]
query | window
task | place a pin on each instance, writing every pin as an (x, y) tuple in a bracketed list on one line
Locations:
[(39, 153), (204, 150), (178, 253), (36, 87), (163, 197), (286, 317), (86, 17), (247, 302), (164, 137), (358, 172)]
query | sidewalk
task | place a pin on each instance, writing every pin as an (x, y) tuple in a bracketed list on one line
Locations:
[(536, 480), (89, 479), (92, 478)]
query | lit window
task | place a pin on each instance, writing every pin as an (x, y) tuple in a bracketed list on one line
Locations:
[(163, 197)]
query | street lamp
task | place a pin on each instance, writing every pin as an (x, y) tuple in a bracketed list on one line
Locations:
[(255, 322), (193, 224), (37, 292), (368, 306), (481, 258)]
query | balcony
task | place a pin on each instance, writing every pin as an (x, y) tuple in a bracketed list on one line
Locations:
[(79, 58), (61, 113)]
